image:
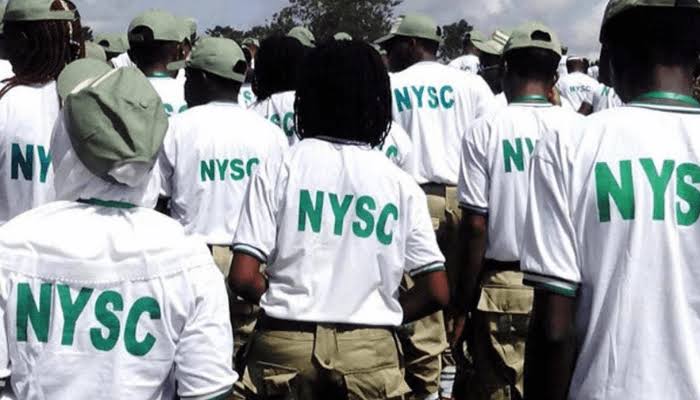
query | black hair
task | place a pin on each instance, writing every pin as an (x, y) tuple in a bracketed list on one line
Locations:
[(532, 64), (277, 64), (39, 50), (344, 92), (149, 52), (430, 46)]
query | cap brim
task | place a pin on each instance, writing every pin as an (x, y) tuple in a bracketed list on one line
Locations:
[(78, 72), (488, 48), (385, 39), (177, 65)]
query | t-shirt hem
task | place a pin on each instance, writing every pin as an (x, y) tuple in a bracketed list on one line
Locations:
[(426, 269), (474, 209)]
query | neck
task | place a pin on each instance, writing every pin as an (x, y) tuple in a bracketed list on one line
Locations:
[(154, 70), (425, 56), (526, 89)]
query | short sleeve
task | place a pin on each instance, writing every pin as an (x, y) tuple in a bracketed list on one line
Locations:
[(483, 98), (473, 187), (204, 353), (257, 227), (422, 252), (166, 163), (549, 246)]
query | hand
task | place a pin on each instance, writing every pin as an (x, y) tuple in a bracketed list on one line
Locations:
[(458, 340)]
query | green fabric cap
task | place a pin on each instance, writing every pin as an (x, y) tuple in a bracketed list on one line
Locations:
[(164, 25), (95, 51), (476, 37), (116, 124), (616, 7), (342, 36), (113, 42), (533, 35), (35, 10), (303, 35), (495, 44), (78, 72), (415, 26), (218, 56), (379, 49), (251, 42), (191, 24)]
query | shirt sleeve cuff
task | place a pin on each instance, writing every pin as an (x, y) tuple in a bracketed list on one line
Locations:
[(251, 251), (224, 394), (426, 269), (555, 285), (474, 209)]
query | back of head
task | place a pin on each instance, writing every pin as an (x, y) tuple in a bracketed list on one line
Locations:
[(277, 66), (532, 54), (155, 39), (344, 92), (577, 64)]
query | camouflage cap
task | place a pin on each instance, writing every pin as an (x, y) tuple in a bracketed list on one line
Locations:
[(95, 51), (164, 26), (533, 35), (35, 10), (303, 35), (79, 71), (113, 42), (218, 56), (116, 124), (342, 36), (414, 26)]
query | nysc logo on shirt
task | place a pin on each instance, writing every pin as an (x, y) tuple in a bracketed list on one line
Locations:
[(285, 122), (212, 170), (25, 162), (107, 309), (513, 154), (366, 224), (621, 191), (412, 97)]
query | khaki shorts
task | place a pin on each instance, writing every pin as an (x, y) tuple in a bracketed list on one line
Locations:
[(330, 363)]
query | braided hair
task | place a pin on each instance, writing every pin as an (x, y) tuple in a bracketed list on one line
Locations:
[(277, 66), (344, 92), (39, 50)]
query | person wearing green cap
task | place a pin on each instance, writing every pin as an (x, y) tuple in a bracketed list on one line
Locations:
[(491, 61), (246, 96), (469, 61), (493, 189), (95, 51), (303, 35), (576, 88), (611, 233), (155, 41), (275, 81), (435, 104), (42, 37), (114, 45), (102, 297)]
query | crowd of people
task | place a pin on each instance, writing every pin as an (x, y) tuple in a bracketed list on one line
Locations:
[(184, 217)]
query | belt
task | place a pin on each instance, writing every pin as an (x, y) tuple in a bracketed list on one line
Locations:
[(494, 265), (435, 189), (273, 324)]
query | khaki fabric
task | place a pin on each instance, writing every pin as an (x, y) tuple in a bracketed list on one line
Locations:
[(497, 341), (360, 364)]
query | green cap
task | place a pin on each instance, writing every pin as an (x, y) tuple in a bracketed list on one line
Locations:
[(113, 42), (495, 44), (116, 124), (249, 41), (414, 26), (80, 71), (379, 49), (95, 51), (476, 37), (617, 7), (342, 36), (191, 25), (533, 35), (303, 35), (2, 13), (35, 10), (165, 27), (218, 56)]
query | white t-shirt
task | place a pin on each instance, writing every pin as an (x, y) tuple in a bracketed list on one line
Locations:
[(279, 109), (171, 92), (613, 220), (6, 70), (246, 97), (467, 62), (208, 156), (27, 117), (398, 147), (501, 100), (562, 70), (122, 61), (604, 98), (495, 164), (338, 225), (594, 72), (577, 88), (110, 303), (436, 105)]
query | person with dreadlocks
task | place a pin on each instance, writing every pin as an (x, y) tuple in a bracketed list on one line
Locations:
[(42, 37), (5, 66), (155, 41), (275, 81), (337, 224)]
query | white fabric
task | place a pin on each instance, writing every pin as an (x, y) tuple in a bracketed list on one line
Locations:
[(436, 105), (495, 164), (398, 147), (6, 70), (122, 61), (467, 63), (171, 92), (279, 109), (577, 88), (346, 270), (208, 154), (27, 117), (501, 100), (594, 72), (121, 258), (246, 97), (562, 70), (604, 98), (629, 257)]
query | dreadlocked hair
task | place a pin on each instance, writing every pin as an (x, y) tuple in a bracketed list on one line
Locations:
[(277, 66), (344, 92), (39, 50)]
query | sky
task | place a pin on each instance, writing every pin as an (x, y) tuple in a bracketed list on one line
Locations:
[(576, 21)]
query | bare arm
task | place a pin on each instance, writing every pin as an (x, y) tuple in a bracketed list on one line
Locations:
[(245, 279), (430, 294)]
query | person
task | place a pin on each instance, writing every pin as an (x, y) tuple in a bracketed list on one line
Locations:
[(137, 309), (274, 84), (246, 96), (337, 223), (605, 97), (611, 233), (491, 60), (493, 188), (251, 46), (435, 104), (155, 40), (95, 51), (303, 35), (576, 88), (562, 70), (469, 61), (5, 66), (42, 37), (115, 45)]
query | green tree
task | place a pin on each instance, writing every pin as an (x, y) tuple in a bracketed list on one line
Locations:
[(87, 33), (454, 35)]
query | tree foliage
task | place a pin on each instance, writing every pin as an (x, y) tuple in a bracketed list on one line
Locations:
[(454, 36)]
